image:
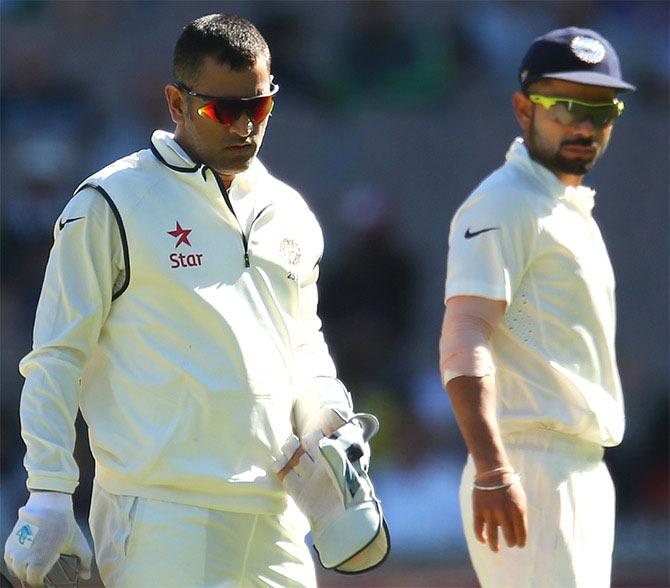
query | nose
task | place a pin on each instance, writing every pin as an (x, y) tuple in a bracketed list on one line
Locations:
[(584, 127), (243, 126)]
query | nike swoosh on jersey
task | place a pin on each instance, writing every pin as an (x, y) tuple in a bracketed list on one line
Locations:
[(62, 223), (469, 234)]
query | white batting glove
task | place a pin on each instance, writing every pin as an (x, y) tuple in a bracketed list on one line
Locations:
[(46, 528)]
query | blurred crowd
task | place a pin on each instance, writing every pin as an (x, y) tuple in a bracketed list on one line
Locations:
[(389, 113)]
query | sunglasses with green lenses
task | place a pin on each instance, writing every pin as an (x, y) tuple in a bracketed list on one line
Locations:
[(568, 111)]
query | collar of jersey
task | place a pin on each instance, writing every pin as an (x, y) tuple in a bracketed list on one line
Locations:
[(171, 154), (174, 156), (581, 198)]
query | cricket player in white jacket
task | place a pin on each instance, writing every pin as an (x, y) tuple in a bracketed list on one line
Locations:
[(527, 348), (178, 312)]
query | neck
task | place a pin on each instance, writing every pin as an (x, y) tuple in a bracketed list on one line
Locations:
[(227, 180), (184, 144), (178, 137), (568, 179)]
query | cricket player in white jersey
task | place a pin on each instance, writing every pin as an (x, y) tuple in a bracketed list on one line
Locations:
[(178, 313), (527, 346)]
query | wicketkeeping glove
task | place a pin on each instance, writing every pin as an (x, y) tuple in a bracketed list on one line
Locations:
[(46, 528), (327, 477)]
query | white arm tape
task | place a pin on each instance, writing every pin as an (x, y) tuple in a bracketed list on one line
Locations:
[(465, 348)]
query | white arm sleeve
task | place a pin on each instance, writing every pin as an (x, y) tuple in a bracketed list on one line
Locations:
[(466, 331), (84, 265)]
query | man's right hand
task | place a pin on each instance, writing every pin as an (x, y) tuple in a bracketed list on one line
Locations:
[(505, 508), (46, 528)]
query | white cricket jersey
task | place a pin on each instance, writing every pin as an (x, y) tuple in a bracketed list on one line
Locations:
[(524, 237), (183, 340)]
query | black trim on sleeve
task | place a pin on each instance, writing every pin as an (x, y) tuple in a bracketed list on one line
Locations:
[(122, 232), (160, 158)]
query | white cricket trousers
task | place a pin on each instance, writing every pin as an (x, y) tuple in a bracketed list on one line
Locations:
[(570, 516), (141, 543)]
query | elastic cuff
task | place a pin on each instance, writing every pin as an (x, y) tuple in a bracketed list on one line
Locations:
[(39, 482)]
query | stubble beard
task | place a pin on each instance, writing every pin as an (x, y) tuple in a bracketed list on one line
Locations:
[(214, 158), (228, 166), (550, 157), (225, 163)]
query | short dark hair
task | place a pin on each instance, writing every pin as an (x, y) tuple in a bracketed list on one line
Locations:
[(228, 38)]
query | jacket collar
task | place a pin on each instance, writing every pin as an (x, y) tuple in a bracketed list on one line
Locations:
[(171, 154), (581, 198)]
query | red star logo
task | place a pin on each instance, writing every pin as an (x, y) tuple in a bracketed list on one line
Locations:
[(181, 234)]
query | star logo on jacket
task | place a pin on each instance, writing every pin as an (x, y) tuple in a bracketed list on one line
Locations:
[(181, 235), (182, 260)]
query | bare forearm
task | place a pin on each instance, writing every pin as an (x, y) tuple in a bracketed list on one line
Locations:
[(474, 402), (498, 500)]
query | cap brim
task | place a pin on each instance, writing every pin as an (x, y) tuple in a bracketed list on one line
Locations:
[(592, 78)]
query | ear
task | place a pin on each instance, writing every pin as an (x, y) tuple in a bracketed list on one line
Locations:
[(523, 110), (176, 103)]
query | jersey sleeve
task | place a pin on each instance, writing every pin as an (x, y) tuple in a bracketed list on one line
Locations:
[(490, 244), (312, 355), (84, 265), (317, 383)]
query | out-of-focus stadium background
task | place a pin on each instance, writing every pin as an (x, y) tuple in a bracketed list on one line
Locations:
[(389, 114)]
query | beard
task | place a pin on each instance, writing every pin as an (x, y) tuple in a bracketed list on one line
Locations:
[(552, 158)]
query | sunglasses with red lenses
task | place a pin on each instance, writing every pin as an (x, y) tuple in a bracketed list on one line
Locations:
[(227, 111)]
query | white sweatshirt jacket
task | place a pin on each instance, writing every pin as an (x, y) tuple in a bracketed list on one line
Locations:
[(183, 340)]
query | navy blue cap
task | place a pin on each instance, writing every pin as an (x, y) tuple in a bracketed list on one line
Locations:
[(573, 54)]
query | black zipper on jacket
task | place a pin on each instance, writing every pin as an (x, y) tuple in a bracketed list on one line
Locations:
[(203, 170), (224, 193)]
